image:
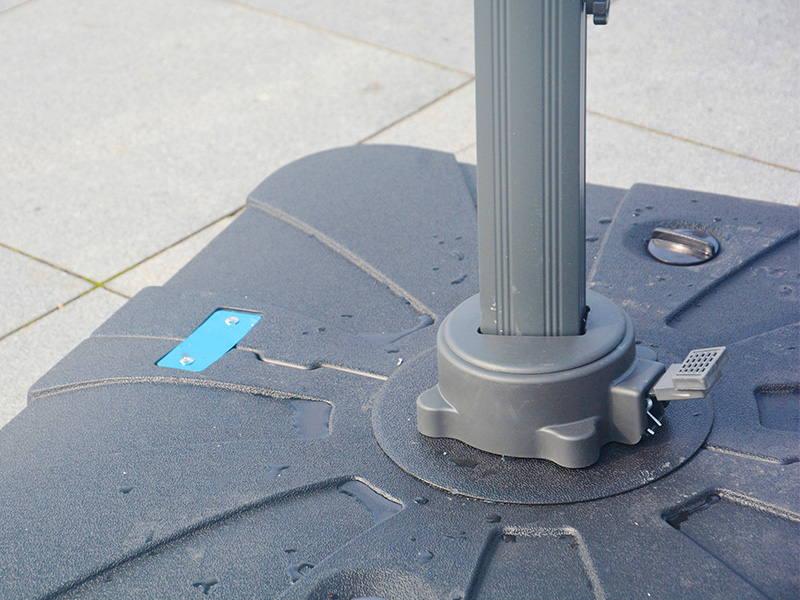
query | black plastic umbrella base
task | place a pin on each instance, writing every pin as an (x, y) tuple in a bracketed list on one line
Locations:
[(291, 466)]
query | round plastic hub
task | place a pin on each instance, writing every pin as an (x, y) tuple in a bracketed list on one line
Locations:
[(559, 398), (454, 466)]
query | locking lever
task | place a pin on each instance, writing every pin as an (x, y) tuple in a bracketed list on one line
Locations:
[(693, 378)]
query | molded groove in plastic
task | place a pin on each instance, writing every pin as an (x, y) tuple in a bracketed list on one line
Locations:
[(551, 193), (502, 280)]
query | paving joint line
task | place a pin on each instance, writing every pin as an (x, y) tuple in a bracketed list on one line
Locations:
[(49, 264), (346, 36), (60, 306), (170, 247), (689, 141), (5, 10), (115, 292), (416, 111), (467, 147)]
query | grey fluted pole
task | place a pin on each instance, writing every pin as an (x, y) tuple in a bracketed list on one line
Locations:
[(531, 96)]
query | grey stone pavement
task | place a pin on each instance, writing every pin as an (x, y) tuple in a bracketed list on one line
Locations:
[(132, 131)]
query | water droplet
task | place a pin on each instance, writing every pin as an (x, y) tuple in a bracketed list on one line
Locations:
[(493, 518), (205, 585), (717, 219), (424, 557), (434, 268), (464, 462), (379, 506), (125, 489), (290, 550), (347, 316), (385, 339), (694, 201), (648, 207), (441, 242), (295, 572), (776, 272), (509, 538), (458, 280), (320, 329), (605, 221), (391, 350), (276, 470), (458, 255), (311, 418), (786, 291), (592, 238), (420, 500)]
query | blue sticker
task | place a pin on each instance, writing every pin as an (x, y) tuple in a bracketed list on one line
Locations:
[(211, 341)]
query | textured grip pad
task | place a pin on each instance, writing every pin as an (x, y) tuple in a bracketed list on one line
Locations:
[(694, 377), (700, 369)]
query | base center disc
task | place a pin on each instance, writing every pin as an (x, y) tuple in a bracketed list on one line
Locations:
[(453, 466)]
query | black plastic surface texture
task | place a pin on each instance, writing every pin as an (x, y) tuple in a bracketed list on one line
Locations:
[(261, 476)]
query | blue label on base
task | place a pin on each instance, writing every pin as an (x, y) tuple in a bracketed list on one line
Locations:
[(211, 341)]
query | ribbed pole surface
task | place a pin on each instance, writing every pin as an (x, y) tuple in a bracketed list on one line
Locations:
[(530, 81)]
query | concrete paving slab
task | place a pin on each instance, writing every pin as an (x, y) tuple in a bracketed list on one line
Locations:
[(157, 270), (29, 353), (621, 155), (447, 125), (688, 68), (127, 127), (439, 31), (29, 289), (617, 154)]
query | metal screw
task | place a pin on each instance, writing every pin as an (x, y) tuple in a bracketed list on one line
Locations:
[(186, 360), (682, 247), (231, 320)]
